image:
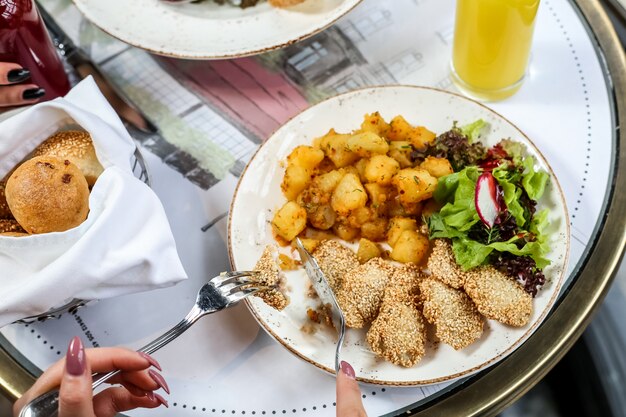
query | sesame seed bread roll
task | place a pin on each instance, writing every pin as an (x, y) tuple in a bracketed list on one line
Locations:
[(48, 194), (77, 147)]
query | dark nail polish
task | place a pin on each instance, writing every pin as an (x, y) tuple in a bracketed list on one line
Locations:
[(162, 400), (75, 357), (156, 377), (150, 360), (33, 93), (18, 75), (348, 370)]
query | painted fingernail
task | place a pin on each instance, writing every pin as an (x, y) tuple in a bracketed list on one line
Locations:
[(161, 400), (150, 395), (150, 360), (75, 357), (156, 377), (18, 75), (33, 93), (348, 370)]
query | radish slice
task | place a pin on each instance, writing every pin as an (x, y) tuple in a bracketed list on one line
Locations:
[(486, 199)]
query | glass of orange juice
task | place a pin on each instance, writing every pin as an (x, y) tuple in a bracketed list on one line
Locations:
[(492, 40)]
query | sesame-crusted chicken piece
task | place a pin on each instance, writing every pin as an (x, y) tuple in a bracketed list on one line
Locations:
[(403, 285), (335, 260), (398, 334), (271, 275), (457, 321), (362, 291), (443, 266), (498, 296)]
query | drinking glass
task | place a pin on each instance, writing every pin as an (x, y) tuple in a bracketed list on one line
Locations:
[(492, 40)]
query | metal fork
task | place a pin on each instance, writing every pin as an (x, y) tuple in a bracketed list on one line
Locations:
[(219, 293)]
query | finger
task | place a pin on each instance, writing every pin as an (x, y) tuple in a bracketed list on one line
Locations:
[(116, 400), (16, 95), (149, 380), (11, 73), (349, 402), (75, 394), (101, 360)]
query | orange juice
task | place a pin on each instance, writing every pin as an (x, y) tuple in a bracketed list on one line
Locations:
[(492, 41)]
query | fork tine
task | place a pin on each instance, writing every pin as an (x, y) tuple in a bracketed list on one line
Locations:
[(233, 277), (242, 287), (240, 295)]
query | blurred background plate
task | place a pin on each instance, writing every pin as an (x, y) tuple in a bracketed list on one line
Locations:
[(207, 30), (259, 195)]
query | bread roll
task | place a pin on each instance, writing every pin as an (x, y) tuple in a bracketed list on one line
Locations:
[(5, 212), (48, 194), (10, 227), (77, 147)]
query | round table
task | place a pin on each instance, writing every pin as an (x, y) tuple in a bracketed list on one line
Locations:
[(486, 393)]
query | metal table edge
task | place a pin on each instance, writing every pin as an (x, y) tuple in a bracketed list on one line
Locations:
[(498, 388)]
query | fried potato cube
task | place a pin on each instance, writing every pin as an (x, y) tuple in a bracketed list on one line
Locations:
[(335, 260), (345, 231), (321, 142), (381, 169), (401, 152), (414, 185), (296, 179), (305, 156), (309, 244), (375, 229), (430, 207), (360, 167), (328, 182), (289, 221), (457, 321), (397, 225), (379, 197), (335, 147), (437, 167), (360, 216), (367, 250), (498, 296), (322, 216), (367, 144), (399, 129), (411, 246), (398, 334), (349, 195), (421, 137), (362, 290), (375, 123)]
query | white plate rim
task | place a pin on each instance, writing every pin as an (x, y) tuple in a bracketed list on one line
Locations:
[(448, 378), (214, 56)]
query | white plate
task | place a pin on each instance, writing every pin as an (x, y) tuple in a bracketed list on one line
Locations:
[(258, 196), (207, 30)]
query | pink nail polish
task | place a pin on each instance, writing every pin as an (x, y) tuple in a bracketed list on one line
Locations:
[(348, 370), (150, 395), (156, 377), (162, 400), (150, 360), (75, 357)]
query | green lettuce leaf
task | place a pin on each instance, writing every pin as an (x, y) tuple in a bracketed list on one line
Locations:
[(534, 182), (473, 130)]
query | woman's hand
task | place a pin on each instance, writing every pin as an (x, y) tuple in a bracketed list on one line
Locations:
[(73, 375), (349, 402), (12, 93)]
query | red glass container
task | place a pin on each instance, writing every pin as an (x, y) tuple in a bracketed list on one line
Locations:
[(25, 40)]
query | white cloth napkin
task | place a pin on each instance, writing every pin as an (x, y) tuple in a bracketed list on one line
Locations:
[(124, 246)]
